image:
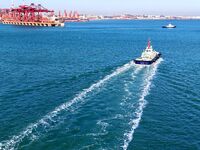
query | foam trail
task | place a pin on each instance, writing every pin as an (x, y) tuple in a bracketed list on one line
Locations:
[(103, 122), (142, 103), (126, 85), (17, 139), (137, 70)]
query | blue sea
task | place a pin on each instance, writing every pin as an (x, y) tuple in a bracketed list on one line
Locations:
[(77, 88)]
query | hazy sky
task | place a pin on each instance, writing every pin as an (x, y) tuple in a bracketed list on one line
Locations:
[(107, 7)]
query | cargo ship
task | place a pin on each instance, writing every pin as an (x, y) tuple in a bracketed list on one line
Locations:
[(149, 56), (30, 15)]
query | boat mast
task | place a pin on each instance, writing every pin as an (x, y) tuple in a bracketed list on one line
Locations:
[(149, 44)]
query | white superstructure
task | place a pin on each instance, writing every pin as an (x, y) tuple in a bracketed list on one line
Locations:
[(148, 54), (169, 26)]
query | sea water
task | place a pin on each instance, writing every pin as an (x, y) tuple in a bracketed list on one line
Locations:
[(77, 88)]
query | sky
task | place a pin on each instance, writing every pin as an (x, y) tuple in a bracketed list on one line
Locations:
[(114, 7)]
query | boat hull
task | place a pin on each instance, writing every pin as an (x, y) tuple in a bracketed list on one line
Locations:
[(143, 62), (168, 27)]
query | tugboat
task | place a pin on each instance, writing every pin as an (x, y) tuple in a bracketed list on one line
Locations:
[(169, 26), (149, 56)]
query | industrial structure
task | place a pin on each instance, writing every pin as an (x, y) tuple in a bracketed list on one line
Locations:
[(30, 15), (71, 16)]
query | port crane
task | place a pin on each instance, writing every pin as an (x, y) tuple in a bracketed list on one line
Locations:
[(31, 13)]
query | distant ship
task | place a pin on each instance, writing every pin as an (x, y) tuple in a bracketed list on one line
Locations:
[(149, 56), (169, 26)]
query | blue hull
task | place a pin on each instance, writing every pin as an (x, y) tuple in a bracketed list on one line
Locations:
[(147, 62)]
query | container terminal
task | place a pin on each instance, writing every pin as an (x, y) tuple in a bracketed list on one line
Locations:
[(30, 15)]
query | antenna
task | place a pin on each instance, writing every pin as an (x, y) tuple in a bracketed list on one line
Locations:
[(149, 43)]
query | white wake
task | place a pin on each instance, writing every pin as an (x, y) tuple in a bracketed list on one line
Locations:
[(14, 142), (126, 85), (128, 136)]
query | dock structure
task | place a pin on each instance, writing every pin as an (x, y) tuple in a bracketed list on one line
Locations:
[(33, 15), (40, 24)]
